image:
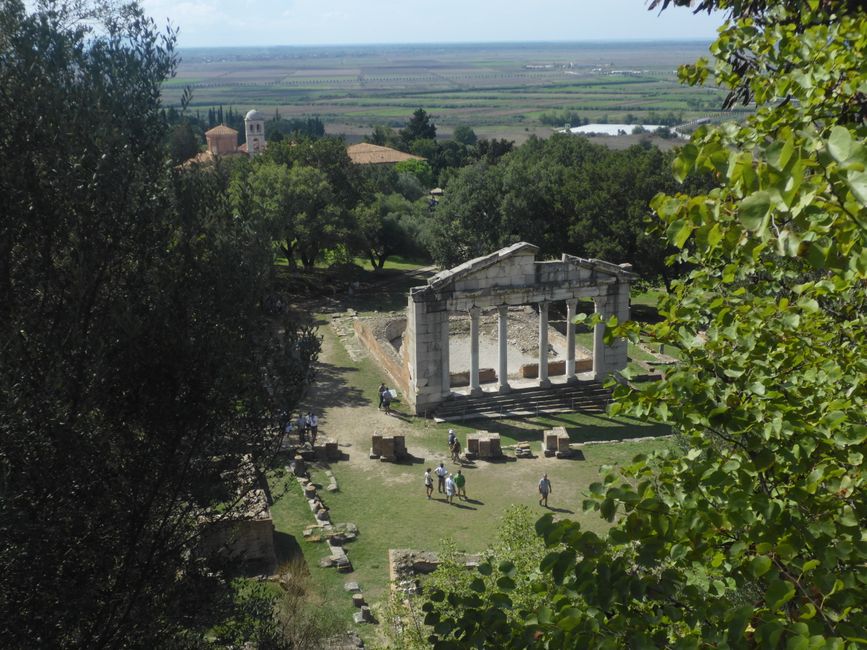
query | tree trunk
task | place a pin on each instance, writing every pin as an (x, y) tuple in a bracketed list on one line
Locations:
[(290, 256)]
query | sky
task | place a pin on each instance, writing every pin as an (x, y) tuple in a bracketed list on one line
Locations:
[(338, 22)]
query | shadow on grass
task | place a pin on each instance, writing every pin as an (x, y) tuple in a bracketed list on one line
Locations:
[(333, 390), (610, 430), (409, 459), (462, 506), (565, 510), (286, 548)]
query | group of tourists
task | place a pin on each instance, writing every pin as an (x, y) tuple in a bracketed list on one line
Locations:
[(449, 484), (453, 485), (307, 427)]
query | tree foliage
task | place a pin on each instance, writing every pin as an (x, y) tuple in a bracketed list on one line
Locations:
[(563, 194), (419, 127), (752, 535), (138, 370)]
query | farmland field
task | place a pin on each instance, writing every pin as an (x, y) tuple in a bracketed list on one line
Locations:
[(507, 90)]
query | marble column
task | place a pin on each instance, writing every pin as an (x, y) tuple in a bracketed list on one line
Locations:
[(599, 366), (503, 332), (570, 341), (544, 382), (475, 386), (444, 351)]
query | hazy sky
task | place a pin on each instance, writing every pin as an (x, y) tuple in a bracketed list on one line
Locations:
[(323, 22)]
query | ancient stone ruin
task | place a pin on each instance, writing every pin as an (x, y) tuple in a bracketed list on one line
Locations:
[(483, 445), (511, 276), (388, 448)]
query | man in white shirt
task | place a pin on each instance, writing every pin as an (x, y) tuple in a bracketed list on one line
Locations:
[(450, 488), (314, 427), (441, 478)]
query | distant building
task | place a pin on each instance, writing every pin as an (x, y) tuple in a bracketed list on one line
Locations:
[(222, 140), (254, 127), (365, 153)]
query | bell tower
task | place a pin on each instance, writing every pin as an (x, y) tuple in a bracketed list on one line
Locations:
[(254, 129)]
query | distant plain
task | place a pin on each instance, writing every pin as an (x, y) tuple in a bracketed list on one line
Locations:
[(508, 90)]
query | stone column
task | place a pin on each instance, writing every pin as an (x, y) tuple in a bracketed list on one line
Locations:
[(475, 386), (503, 336), (544, 382), (570, 341), (444, 351), (600, 368)]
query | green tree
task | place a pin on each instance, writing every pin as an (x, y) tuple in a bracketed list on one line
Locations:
[(298, 204), (381, 228), (751, 534), (384, 136), (135, 354), (467, 222), (465, 135), (419, 127), (183, 143), (418, 168)]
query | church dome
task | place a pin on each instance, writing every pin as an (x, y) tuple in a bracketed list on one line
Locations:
[(254, 115)]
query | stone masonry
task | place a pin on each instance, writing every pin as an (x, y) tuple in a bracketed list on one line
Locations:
[(509, 277)]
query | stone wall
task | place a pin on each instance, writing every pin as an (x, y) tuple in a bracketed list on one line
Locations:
[(247, 538), (376, 334), (531, 370)]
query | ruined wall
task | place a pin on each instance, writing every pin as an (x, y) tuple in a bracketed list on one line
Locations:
[(375, 334), (247, 538)]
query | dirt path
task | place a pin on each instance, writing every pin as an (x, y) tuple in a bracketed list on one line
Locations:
[(347, 413)]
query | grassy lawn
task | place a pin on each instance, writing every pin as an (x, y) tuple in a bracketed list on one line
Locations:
[(387, 501)]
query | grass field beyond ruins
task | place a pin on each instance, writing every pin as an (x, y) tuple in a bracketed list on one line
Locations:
[(501, 90), (387, 501)]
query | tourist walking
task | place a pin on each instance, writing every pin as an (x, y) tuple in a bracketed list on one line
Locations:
[(456, 451), (460, 482), (428, 483), (314, 427), (450, 488), (382, 389), (386, 401), (441, 478), (544, 490), (301, 425)]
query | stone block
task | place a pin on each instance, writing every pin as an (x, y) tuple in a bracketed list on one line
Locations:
[(332, 452), (358, 600), (563, 442), (365, 611), (484, 447), (496, 449), (358, 618), (549, 440), (376, 444), (387, 448), (473, 443), (351, 587)]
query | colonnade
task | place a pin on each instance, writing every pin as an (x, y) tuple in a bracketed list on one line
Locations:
[(503, 341)]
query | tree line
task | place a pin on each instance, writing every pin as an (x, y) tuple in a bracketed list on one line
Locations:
[(142, 373)]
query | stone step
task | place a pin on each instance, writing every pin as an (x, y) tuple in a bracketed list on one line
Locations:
[(588, 396)]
